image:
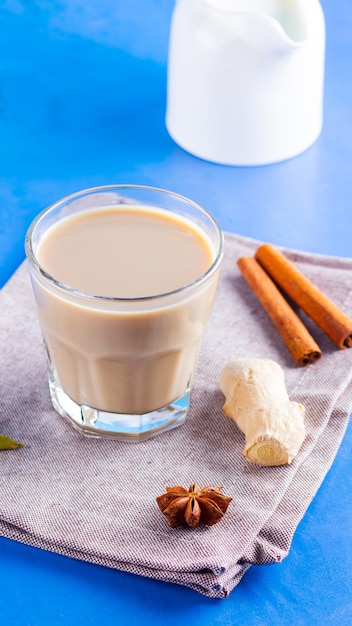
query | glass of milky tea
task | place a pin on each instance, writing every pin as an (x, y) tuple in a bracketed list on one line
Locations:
[(124, 278)]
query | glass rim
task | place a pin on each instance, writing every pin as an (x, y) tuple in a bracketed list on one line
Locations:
[(31, 257)]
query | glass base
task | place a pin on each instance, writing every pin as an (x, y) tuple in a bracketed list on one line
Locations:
[(124, 427)]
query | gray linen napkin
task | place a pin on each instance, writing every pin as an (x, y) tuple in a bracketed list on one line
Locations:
[(95, 499)]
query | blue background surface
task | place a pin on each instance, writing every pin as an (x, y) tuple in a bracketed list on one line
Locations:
[(82, 103)]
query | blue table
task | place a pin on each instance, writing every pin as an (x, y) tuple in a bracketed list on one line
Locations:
[(82, 103)]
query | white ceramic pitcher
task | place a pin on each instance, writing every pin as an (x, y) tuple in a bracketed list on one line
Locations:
[(245, 78)]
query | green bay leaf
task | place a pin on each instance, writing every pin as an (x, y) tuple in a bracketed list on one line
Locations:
[(9, 444)]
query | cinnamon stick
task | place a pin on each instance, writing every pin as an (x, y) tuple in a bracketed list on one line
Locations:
[(292, 330), (325, 313)]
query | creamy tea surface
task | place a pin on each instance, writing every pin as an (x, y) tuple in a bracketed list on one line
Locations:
[(120, 358), (125, 252)]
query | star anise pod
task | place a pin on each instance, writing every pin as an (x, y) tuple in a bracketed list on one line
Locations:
[(181, 507)]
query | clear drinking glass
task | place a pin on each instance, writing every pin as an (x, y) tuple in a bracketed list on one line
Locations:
[(122, 367)]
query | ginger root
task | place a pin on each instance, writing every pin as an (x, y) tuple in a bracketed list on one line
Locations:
[(257, 401)]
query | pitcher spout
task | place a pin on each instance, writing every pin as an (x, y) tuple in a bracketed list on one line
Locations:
[(286, 20)]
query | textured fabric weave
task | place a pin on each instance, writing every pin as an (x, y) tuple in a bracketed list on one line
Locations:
[(94, 499)]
